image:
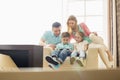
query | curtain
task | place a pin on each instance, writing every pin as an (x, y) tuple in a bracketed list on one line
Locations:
[(114, 29), (117, 5)]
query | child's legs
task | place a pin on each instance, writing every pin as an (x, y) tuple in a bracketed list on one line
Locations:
[(63, 54), (73, 57), (52, 58), (74, 54), (55, 53), (82, 54)]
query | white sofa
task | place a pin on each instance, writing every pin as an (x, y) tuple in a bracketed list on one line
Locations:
[(91, 61)]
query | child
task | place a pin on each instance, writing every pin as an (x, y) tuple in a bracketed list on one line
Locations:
[(61, 51), (80, 48)]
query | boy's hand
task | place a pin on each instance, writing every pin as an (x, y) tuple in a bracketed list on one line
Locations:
[(52, 46), (86, 47)]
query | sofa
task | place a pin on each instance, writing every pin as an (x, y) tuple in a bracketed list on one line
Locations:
[(7, 64), (92, 61)]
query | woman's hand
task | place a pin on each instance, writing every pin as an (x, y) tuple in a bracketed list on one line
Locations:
[(95, 33)]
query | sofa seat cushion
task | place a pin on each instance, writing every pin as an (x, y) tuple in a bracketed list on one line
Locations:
[(91, 60)]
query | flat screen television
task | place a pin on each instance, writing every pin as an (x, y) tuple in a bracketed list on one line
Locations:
[(24, 55)]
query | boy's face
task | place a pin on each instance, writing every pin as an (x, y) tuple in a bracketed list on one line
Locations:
[(78, 38), (65, 40)]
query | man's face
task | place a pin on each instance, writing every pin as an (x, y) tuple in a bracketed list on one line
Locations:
[(56, 31), (65, 40)]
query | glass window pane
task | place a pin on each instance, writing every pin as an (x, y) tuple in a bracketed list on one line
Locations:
[(80, 19), (95, 23), (76, 8), (94, 7)]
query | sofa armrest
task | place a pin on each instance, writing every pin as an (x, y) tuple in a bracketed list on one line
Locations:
[(7, 64), (92, 58), (46, 51)]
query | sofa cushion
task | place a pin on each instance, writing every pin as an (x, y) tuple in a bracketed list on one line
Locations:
[(91, 60)]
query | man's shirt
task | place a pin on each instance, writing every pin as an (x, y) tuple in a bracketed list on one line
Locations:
[(50, 38)]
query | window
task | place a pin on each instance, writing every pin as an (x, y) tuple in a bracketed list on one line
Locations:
[(92, 12), (24, 21)]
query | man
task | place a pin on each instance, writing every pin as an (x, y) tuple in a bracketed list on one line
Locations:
[(51, 38)]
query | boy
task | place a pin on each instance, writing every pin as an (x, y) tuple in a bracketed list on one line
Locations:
[(61, 51)]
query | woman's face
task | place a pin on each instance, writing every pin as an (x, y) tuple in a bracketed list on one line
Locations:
[(72, 24)]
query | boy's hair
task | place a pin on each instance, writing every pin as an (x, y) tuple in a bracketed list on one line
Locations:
[(65, 34), (80, 33), (56, 25)]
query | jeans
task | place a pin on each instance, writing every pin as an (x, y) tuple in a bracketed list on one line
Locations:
[(81, 54), (61, 54)]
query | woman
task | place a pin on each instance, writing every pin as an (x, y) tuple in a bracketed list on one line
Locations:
[(73, 27)]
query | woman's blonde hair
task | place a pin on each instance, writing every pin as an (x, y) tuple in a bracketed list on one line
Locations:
[(72, 17)]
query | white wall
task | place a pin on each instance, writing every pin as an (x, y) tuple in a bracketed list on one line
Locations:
[(23, 21)]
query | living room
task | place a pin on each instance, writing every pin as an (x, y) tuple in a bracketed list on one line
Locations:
[(23, 22)]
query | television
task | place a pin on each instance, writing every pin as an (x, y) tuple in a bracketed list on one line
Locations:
[(24, 55)]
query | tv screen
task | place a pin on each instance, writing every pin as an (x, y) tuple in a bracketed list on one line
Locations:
[(24, 55)]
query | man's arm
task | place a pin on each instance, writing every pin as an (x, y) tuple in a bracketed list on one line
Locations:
[(42, 42), (43, 39)]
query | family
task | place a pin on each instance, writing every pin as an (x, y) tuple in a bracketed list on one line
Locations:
[(62, 46)]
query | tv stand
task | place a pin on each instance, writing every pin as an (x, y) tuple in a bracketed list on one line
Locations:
[(24, 55)]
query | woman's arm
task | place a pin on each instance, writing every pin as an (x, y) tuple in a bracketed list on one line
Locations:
[(86, 30)]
